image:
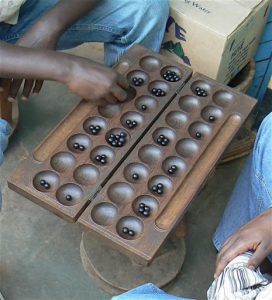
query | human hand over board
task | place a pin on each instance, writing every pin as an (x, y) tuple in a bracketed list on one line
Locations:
[(254, 236)]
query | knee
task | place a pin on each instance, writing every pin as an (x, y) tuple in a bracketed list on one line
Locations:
[(156, 12)]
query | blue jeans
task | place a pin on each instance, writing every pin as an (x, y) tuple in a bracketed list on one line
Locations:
[(251, 196), (147, 292), (118, 24), (5, 130)]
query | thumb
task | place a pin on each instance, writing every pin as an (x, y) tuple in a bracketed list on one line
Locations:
[(257, 258)]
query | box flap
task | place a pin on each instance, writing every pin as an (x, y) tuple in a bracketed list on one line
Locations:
[(222, 17)]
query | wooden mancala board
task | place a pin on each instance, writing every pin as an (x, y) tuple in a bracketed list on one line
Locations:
[(127, 172)]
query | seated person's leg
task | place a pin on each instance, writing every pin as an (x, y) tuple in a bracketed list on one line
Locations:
[(146, 292), (118, 24), (252, 194)]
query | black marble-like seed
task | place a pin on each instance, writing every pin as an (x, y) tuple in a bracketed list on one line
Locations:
[(160, 186), (42, 182), (154, 188), (128, 122), (141, 205), (123, 134), (141, 210), (171, 171), (140, 80), (144, 107), (125, 230), (147, 208), (160, 192), (81, 148), (134, 123), (198, 135), (68, 198), (47, 186), (211, 118), (98, 157), (91, 127), (146, 214), (104, 156), (131, 233), (135, 176), (103, 161), (174, 167), (76, 145)]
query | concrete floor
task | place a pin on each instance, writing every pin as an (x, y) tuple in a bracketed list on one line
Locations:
[(39, 252)]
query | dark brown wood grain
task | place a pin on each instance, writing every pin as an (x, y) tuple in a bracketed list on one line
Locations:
[(232, 109), (106, 198), (134, 63)]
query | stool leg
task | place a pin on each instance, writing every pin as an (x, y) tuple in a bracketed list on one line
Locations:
[(5, 105)]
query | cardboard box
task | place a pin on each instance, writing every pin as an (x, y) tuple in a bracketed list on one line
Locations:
[(217, 37)]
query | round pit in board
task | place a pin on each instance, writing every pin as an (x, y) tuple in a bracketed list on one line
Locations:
[(46, 181), (138, 78), (120, 193), (86, 174), (79, 143), (69, 194), (201, 88), (223, 98), (63, 162), (110, 110), (200, 131), (212, 114), (104, 214), (159, 88), (146, 104), (160, 185), (95, 125), (176, 119), (150, 63), (171, 74), (130, 227), (174, 166), (189, 103), (102, 155), (136, 173), (132, 120), (150, 154), (117, 137), (164, 136), (187, 148)]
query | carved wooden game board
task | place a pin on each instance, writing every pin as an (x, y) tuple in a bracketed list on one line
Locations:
[(127, 172)]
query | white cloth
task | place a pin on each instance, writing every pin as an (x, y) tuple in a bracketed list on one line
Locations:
[(9, 10), (237, 282)]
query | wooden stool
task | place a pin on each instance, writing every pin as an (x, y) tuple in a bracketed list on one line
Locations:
[(115, 273), (8, 111)]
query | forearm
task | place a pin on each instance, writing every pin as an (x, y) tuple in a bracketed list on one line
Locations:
[(65, 13), (19, 62)]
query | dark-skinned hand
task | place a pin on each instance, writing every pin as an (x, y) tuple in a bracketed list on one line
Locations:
[(38, 37), (95, 82), (255, 236)]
